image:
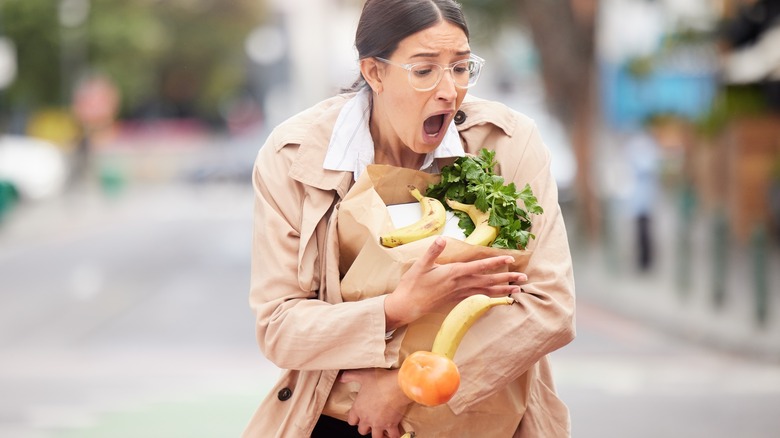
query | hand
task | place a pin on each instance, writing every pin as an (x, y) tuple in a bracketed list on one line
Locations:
[(380, 404), (428, 285)]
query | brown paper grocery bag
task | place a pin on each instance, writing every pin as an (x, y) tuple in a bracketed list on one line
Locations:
[(369, 269)]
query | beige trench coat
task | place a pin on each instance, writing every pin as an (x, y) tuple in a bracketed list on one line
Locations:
[(304, 327)]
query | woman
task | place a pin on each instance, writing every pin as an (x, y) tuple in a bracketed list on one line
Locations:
[(410, 110)]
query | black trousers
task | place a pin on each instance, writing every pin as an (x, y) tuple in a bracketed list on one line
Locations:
[(329, 427), (644, 242)]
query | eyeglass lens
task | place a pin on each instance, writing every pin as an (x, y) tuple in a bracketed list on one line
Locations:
[(426, 76)]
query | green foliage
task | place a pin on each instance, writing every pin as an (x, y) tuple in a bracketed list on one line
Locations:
[(774, 171), (175, 52), (495, 10), (32, 25), (641, 66), (732, 101), (128, 43), (485, 17), (471, 180)]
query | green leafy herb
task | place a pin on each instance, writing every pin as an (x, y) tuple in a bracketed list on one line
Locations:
[(471, 180)]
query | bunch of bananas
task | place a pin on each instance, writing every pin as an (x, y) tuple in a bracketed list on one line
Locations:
[(433, 219), (431, 222)]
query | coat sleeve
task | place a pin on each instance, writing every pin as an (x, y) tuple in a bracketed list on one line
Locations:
[(295, 329), (509, 340)]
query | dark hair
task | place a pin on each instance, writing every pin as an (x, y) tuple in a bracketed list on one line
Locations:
[(384, 23)]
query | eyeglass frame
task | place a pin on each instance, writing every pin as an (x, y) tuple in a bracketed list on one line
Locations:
[(409, 67)]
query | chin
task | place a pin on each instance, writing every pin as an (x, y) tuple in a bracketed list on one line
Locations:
[(425, 148)]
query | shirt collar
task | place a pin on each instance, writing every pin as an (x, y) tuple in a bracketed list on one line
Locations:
[(351, 147)]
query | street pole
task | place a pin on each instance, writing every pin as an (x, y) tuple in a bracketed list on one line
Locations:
[(73, 15), (719, 257), (758, 244)]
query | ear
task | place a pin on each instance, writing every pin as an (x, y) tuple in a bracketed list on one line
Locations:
[(371, 71)]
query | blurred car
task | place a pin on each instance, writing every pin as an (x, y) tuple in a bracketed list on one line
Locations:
[(36, 168)]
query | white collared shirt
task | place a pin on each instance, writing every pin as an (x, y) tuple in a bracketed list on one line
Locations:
[(351, 147)]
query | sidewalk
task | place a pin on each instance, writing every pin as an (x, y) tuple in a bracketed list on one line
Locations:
[(126, 315), (680, 294)]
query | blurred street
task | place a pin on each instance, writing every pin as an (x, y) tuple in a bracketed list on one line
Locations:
[(129, 316), (621, 378), (125, 314), (126, 203)]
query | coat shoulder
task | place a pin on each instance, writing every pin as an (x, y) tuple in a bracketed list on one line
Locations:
[(491, 122), (297, 128), (483, 113)]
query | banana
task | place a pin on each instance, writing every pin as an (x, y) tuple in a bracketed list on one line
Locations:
[(460, 319), (432, 221), (484, 234)]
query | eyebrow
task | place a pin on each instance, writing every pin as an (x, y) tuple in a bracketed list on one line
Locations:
[(433, 55)]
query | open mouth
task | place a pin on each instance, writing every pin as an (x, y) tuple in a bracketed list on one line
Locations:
[(434, 127)]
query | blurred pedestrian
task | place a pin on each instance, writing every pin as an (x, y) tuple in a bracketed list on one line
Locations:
[(95, 106), (642, 151), (409, 109)]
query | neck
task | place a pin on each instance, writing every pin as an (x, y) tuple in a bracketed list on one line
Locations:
[(399, 158), (388, 148)]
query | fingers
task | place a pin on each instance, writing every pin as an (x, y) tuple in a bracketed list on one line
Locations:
[(498, 291), (489, 264), (433, 252), (484, 283), (390, 432), (364, 429), (481, 280), (352, 418), (509, 277)]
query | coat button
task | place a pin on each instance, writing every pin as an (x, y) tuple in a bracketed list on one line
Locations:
[(460, 117), (284, 394)]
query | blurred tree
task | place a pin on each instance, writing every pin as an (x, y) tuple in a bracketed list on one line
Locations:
[(563, 32), (32, 26), (168, 58)]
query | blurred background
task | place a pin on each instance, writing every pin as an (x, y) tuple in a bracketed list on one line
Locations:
[(128, 129)]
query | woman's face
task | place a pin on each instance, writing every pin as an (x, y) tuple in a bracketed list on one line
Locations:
[(419, 119)]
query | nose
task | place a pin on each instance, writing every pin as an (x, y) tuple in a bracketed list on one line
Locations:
[(446, 89)]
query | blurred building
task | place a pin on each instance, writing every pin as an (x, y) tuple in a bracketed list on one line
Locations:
[(317, 56), (656, 57), (708, 69)]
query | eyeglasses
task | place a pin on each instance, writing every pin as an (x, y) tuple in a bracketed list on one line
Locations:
[(425, 76)]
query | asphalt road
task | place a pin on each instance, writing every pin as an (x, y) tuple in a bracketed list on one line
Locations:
[(127, 316), (622, 379)]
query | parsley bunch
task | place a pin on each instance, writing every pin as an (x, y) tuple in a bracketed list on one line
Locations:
[(471, 180)]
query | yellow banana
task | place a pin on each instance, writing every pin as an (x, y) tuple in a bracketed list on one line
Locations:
[(484, 234), (460, 319), (432, 221)]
